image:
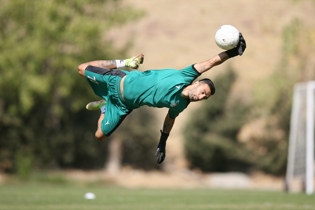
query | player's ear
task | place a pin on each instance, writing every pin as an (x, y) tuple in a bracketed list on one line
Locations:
[(196, 83)]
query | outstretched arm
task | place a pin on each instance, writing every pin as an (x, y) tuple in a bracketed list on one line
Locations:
[(208, 64), (167, 127), (223, 56)]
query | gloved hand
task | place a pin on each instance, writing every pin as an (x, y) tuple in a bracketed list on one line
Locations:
[(160, 150), (239, 49), (160, 153)]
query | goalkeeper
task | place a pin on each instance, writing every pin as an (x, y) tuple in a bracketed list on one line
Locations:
[(122, 91)]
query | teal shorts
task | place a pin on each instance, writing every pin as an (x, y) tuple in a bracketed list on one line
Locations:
[(106, 84)]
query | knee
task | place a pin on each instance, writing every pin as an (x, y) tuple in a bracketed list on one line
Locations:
[(100, 136), (81, 69)]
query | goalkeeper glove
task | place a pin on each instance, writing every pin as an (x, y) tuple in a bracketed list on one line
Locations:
[(239, 49), (161, 151)]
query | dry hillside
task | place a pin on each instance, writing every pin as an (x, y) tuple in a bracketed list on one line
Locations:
[(178, 33)]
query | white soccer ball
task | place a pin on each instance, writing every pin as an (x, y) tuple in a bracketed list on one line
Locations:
[(89, 196), (227, 37)]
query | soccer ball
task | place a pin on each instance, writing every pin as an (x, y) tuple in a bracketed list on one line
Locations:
[(89, 196), (227, 37)]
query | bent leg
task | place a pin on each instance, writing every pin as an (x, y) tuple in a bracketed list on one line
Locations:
[(115, 113), (132, 62), (99, 135), (105, 127), (107, 64)]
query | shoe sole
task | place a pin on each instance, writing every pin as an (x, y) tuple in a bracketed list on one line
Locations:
[(92, 108)]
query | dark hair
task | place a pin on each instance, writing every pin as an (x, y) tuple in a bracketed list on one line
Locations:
[(210, 83)]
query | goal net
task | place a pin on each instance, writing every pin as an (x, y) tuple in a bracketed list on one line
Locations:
[(300, 165)]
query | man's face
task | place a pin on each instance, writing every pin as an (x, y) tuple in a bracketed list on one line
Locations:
[(199, 91)]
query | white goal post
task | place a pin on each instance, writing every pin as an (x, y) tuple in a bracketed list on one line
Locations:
[(300, 163)]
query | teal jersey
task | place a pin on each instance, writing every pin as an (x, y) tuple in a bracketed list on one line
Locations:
[(159, 88)]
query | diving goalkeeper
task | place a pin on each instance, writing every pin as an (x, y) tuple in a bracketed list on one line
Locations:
[(122, 90)]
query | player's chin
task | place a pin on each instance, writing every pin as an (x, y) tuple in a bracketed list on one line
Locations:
[(192, 99)]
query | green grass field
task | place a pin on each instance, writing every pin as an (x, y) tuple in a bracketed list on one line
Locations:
[(46, 197)]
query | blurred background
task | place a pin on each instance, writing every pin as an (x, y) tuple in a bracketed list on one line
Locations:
[(237, 138)]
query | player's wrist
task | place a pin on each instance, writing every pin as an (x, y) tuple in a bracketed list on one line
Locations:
[(163, 137), (232, 53)]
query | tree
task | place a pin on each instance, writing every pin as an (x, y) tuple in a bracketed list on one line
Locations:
[(296, 65), (211, 135), (140, 140), (213, 146), (41, 96)]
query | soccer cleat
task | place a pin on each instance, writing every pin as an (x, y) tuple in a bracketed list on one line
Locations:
[(135, 61), (95, 105)]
